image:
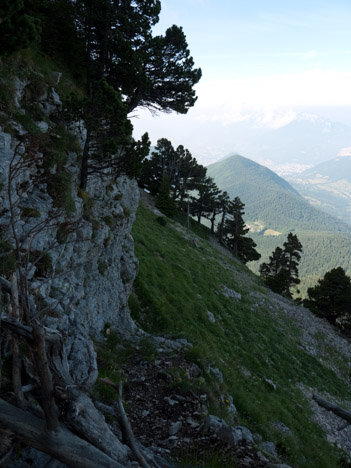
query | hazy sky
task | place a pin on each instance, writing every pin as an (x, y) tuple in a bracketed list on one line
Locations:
[(259, 56)]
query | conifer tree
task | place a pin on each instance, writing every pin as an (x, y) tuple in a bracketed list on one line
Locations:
[(223, 201), (164, 202), (235, 230), (183, 171), (281, 272), (18, 28), (203, 204), (274, 273), (143, 71), (292, 250), (331, 297)]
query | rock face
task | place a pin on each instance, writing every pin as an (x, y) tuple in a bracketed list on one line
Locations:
[(75, 249), (92, 273)]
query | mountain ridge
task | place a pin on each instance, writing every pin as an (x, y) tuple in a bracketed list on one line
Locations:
[(242, 177), (327, 186), (273, 209)]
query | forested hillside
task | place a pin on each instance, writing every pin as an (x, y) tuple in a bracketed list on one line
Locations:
[(273, 208)]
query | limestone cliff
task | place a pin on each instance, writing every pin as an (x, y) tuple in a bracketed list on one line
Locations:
[(91, 273), (70, 257)]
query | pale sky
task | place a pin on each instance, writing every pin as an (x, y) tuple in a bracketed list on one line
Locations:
[(270, 56)]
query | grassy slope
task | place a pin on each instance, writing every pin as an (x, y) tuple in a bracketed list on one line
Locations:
[(178, 283), (270, 200)]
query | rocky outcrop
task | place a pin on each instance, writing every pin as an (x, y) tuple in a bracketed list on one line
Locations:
[(90, 275), (74, 256)]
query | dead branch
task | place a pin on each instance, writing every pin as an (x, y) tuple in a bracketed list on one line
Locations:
[(341, 412), (105, 409), (16, 355), (126, 429), (45, 378), (62, 444)]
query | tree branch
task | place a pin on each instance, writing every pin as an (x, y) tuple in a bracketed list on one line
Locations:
[(126, 429)]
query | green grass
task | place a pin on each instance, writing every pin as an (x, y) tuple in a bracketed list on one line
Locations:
[(178, 283)]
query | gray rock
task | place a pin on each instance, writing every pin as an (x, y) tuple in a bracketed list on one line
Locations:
[(231, 435), (243, 434), (215, 371), (55, 98), (270, 383), (230, 293), (269, 448), (211, 317), (261, 457), (194, 370), (281, 427), (213, 423), (170, 401), (230, 405), (192, 423), (175, 428), (43, 126), (279, 465)]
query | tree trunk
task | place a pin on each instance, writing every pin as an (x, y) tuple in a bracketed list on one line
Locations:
[(342, 413), (85, 162), (61, 444)]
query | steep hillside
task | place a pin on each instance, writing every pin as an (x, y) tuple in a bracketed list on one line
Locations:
[(248, 344), (327, 186), (273, 208)]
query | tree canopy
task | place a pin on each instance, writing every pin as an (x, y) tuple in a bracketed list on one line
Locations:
[(281, 272), (110, 46), (234, 233), (331, 297)]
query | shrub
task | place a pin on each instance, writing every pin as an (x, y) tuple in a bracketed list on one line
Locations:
[(102, 267), (110, 221), (7, 258), (162, 220), (27, 212), (60, 189)]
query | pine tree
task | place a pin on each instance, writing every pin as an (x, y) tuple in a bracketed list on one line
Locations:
[(274, 273), (183, 171), (203, 204), (281, 272), (223, 201), (164, 202), (331, 297), (292, 250), (234, 233), (133, 68), (18, 28)]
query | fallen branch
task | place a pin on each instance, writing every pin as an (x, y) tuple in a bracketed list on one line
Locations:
[(341, 412), (126, 429), (61, 444)]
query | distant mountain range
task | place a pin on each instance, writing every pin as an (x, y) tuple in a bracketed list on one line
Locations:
[(327, 186), (272, 139), (274, 208)]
